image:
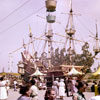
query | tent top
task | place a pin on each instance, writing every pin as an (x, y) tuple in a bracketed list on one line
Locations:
[(74, 72), (37, 73), (97, 72), (15, 74)]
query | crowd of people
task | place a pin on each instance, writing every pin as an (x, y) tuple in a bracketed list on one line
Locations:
[(69, 87), (60, 88), (96, 89)]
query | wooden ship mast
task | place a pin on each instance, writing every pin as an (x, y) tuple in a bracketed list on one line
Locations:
[(70, 33), (96, 47)]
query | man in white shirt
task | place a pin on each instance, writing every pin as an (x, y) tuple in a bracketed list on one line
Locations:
[(34, 90), (15, 85)]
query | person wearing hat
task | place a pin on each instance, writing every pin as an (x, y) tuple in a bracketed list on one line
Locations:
[(55, 86), (61, 89)]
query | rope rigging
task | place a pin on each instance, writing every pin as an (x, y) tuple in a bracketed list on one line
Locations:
[(3, 19), (22, 20)]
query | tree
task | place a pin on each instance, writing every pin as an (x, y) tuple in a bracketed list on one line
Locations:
[(85, 59), (56, 58)]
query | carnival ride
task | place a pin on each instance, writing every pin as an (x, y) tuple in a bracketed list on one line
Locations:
[(29, 60)]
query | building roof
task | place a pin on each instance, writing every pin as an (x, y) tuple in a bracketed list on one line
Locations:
[(70, 66)]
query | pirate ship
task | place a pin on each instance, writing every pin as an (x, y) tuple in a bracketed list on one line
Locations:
[(46, 63)]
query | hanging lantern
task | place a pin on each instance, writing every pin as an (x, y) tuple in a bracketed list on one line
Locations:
[(96, 50), (51, 18), (51, 5), (49, 34)]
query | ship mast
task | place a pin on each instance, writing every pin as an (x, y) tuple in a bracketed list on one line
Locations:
[(96, 47), (70, 32), (31, 41)]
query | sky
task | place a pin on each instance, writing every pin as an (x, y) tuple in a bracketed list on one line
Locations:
[(17, 15)]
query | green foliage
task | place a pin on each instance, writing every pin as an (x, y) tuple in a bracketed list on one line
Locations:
[(85, 59)]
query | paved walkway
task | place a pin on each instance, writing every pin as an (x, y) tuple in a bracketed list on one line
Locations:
[(13, 95)]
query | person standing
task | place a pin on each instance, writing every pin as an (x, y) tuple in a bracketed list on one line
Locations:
[(15, 85), (92, 87), (96, 97), (70, 87), (3, 89), (74, 84), (47, 94), (96, 89), (79, 95), (7, 84), (66, 86), (34, 90), (55, 86), (99, 84), (61, 89)]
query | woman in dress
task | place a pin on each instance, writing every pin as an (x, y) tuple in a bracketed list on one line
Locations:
[(61, 88), (3, 89), (55, 87)]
